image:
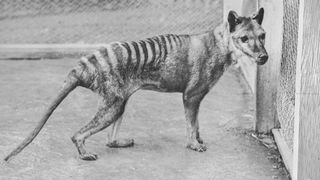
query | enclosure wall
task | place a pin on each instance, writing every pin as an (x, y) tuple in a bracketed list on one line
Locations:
[(286, 88), (102, 21)]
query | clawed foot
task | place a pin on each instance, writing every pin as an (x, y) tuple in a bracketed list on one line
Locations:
[(197, 147), (89, 157), (121, 143)]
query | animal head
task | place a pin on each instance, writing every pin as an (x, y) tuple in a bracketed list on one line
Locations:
[(247, 36)]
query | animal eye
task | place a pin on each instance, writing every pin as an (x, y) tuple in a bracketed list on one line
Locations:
[(262, 36), (244, 39)]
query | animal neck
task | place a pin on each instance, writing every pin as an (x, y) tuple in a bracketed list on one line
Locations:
[(222, 42)]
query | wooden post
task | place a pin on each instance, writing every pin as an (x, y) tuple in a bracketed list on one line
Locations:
[(267, 75), (306, 163), (265, 108)]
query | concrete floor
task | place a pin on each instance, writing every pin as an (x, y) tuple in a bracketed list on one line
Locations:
[(155, 120)]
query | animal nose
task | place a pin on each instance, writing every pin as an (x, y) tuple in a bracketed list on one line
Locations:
[(262, 59)]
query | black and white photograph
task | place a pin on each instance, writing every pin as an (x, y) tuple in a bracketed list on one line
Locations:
[(161, 90)]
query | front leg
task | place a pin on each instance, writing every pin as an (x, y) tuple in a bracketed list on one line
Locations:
[(114, 141), (191, 107)]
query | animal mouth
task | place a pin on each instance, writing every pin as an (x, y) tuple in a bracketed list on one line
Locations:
[(262, 59)]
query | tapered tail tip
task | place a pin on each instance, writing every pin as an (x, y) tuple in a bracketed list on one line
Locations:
[(7, 158)]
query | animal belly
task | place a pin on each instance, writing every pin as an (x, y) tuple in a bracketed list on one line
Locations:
[(165, 86), (167, 82), (172, 76)]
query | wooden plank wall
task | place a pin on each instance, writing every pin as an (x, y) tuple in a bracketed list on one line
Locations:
[(307, 142)]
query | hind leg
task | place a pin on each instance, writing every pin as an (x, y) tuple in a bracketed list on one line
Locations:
[(114, 141), (107, 114)]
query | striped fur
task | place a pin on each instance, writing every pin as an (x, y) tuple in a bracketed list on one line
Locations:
[(189, 64), (134, 56), (129, 61)]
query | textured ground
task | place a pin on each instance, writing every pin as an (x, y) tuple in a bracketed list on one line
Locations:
[(155, 120)]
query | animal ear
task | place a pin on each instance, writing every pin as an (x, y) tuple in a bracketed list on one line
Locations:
[(233, 20), (259, 17)]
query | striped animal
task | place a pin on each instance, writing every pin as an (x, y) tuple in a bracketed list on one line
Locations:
[(190, 64)]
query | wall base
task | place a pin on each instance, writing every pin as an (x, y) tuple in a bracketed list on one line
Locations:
[(284, 150)]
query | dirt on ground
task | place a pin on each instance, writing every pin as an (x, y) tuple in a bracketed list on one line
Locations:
[(154, 120)]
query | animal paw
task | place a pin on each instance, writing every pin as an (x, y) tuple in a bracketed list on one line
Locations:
[(89, 157), (121, 143), (200, 141), (197, 147)]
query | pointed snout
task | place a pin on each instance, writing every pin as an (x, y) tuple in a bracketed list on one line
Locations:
[(262, 59)]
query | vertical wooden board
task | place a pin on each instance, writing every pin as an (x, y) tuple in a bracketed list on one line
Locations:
[(268, 74), (265, 112), (308, 167)]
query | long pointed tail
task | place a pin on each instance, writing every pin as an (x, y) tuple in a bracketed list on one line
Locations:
[(70, 84)]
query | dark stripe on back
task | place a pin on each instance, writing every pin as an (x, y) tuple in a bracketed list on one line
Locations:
[(157, 40), (145, 52), (175, 40), (153, 49), (104, 53), (185, 37), (101, 77), (179, 39), (136, 48), (85, 74), (169, 40), (84, 65), (92, 59), (129, 60), (164, 43), (119, 57), (112, 68)]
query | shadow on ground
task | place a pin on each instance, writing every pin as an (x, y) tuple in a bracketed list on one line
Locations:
[(155, 120)]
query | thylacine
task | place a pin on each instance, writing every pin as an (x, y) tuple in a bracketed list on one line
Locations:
[(190, 64)]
